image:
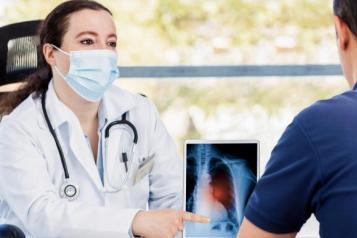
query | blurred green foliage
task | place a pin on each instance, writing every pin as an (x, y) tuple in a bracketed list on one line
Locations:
[(245, 22), (218, 32), (158, 26)]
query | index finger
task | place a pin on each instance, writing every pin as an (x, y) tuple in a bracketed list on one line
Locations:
[(188, 216)]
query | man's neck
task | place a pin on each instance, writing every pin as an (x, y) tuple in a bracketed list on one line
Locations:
[(352, 52), (354, 74)]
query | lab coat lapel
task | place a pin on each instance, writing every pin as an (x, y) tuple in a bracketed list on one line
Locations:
[(115, 103), (82, 152), (68, 128)]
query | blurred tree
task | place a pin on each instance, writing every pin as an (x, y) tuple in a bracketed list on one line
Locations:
[(224, 31), (155, 32)]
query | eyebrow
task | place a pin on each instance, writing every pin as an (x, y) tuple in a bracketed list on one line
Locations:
[(94, 33)]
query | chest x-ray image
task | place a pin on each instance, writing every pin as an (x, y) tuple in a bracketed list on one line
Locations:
[(220, 176)]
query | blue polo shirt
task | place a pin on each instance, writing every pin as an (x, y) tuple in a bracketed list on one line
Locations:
[(312, 170)]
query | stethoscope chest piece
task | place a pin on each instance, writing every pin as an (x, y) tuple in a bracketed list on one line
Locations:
[(69, 191)]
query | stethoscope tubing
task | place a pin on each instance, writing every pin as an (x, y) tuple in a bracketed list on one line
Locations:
[(123, 121), (53, 133)]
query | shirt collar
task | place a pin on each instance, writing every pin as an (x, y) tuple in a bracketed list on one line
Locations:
[(114, 104), (102, 116)]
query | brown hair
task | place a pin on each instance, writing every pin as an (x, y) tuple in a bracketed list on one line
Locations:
[(347, 11), (51, 30)]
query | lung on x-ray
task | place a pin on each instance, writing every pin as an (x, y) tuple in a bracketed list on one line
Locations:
[(220, 176)]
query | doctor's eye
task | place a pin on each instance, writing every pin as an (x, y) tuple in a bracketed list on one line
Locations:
[(87, 41), (112, 44)]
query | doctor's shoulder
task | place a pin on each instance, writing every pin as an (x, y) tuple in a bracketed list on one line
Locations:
[(21, 121), (142, 113), (142, 106), (25, 113)]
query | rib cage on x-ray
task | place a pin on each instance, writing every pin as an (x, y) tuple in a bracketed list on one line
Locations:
[(218, 186)]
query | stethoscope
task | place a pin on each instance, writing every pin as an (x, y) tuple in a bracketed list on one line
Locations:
[(70, 190)]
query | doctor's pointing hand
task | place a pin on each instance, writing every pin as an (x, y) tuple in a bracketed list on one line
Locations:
[(80, 157), (163, 223)]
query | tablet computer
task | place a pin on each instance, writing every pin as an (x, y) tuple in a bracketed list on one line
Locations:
[(219, 179)]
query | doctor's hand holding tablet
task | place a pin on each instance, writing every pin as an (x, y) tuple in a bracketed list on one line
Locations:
[(80, 157)]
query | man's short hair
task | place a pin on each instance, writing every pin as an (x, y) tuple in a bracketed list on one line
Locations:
[(347, 11)]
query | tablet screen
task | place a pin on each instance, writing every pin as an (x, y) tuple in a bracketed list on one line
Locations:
[(219, 178)]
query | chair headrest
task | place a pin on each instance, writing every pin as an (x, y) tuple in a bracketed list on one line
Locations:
[(18, 51)]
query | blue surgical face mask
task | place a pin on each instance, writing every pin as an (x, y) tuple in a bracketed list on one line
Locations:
[(91, 72)]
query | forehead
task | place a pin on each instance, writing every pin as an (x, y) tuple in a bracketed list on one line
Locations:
[(99, 21)]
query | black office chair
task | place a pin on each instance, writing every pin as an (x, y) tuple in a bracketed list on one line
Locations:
[(18, 58), (10, 231), (18, 51)]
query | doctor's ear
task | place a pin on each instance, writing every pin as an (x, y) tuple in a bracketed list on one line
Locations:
[(343, 33), (48, 53)]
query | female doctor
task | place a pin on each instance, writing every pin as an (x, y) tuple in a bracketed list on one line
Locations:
[(78, 156)]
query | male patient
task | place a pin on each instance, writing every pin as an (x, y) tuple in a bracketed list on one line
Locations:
[(313, 168)]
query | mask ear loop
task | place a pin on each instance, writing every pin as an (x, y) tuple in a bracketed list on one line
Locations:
[(59, 72), (55, 66), (64, 52)]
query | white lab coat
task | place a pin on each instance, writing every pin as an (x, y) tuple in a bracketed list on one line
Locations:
[(31, 173)]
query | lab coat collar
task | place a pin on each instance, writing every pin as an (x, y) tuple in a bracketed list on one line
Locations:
[(60, 114), (57, 111), (114, 104)]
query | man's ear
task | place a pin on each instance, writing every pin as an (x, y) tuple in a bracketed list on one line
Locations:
[(343, 33), (48, 53)]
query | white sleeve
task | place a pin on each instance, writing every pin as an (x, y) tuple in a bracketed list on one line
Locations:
[(26, 186), (166, 177)]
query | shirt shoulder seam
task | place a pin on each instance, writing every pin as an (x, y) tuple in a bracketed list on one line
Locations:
[(315, 151)]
